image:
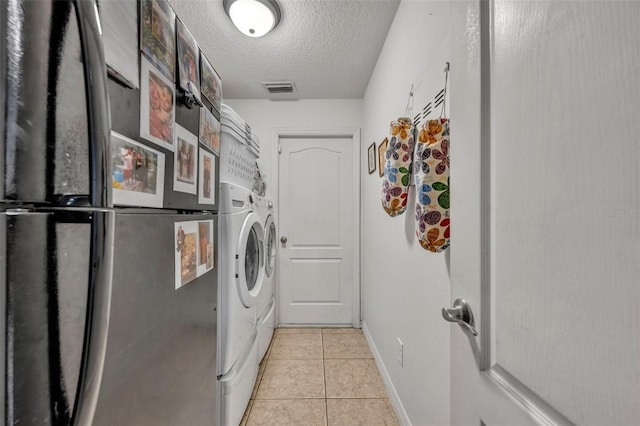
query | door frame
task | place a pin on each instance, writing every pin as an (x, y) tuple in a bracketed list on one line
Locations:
[(495, 390), (354, 135)]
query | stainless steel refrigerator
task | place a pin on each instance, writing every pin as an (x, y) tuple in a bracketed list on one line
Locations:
[(94, 331), (56, 224)]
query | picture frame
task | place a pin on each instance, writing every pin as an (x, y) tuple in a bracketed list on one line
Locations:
[(209, 131), (210, 82), (157, 107), (207, 176), (206, 247), (382, 151), (372, 157), (185, 169), (139, 183), (188, 58), (186, 252), (158, 35)]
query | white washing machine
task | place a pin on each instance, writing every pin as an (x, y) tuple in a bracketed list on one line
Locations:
[(240, 280), (265, 319)]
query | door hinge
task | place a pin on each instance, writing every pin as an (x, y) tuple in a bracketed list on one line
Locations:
[(279, 149)]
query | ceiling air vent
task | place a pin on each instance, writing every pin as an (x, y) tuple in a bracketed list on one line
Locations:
[(277, 87)]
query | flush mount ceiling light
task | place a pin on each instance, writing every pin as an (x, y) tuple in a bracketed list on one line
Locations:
[(254, 18)]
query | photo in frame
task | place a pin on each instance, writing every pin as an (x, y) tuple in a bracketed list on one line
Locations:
[(157, 107), (186, 253), (206, 179), (209, 130), (382, 151), (188, 58), (211, 85), (138, 173), (185, 167), (371, 155), (158, 35), (206, 249)]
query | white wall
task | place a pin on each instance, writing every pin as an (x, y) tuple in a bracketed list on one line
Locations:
[(265, 117), (403, 286)]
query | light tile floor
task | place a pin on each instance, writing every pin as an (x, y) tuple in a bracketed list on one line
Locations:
[(313, 376)]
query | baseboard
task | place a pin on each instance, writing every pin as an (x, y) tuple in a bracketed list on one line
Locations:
[(403, 418)]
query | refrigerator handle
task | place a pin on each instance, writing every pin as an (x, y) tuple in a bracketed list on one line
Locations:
[(102, 229), (97, 319), (95, 70)]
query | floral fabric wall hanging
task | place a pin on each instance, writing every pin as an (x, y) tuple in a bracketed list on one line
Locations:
[(431, 175), (397, 169)]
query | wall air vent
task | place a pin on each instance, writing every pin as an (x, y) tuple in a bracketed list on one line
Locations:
[(277, 87)]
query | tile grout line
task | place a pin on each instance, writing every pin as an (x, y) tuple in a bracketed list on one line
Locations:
[(324, 375)]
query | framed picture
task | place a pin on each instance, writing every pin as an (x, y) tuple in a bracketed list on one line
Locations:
[(157, 107), (206, 181), (158, 35), (188, 58), (372, 157), (206, 247), (186, 257), (138, 173), (382, 151), (185, 168), (211, 85), (209, 130)]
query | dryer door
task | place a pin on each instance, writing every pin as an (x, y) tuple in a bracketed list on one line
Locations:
[(250, 260), (270, 262)]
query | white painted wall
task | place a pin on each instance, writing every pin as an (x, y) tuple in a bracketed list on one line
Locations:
[(403, 286), (265, 116)]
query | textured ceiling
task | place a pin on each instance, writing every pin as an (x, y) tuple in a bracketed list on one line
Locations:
[(328, 48)]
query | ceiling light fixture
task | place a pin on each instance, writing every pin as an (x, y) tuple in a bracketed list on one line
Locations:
[(254, 18)]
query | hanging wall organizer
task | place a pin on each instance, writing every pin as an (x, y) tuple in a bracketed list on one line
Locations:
[(397, 169), (431, 176)]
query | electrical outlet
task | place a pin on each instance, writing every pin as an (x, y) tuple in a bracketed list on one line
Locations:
[(400, 353)]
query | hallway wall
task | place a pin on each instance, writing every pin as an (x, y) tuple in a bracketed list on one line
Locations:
[(403, 286)]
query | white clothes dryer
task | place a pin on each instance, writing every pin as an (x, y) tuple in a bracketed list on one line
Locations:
[(240, 280), (265, 319)]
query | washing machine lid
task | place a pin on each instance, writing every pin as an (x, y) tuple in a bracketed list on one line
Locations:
[(271, 246), (250, 260)]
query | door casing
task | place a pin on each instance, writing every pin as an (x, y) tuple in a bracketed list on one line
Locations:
[(354, 135)]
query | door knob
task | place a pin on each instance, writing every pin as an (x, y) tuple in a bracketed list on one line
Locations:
[(283, 240), (460, 314)]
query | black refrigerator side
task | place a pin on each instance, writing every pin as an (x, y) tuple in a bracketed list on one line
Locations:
[(56, 268), (160, 367), (57, 123), (56, 221)]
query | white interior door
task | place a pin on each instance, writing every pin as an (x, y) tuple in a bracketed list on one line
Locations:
[(545, 178), (318, 196)]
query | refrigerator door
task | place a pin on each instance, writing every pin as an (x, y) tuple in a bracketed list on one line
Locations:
[(55, 106), (56, 273), (160, 366)]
